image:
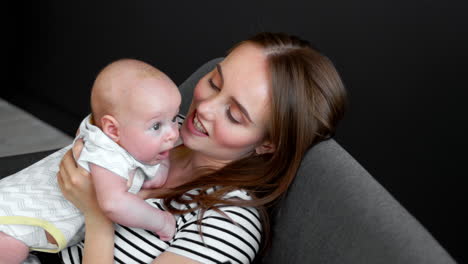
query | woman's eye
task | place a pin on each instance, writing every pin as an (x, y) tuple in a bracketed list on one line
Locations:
[(210, 81), (230, 116), (156, 126)]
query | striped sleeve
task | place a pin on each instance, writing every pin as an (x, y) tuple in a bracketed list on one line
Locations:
[(72, 255), (231, 238), (131, 245)]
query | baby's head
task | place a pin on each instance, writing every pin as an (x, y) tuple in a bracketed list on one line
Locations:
[(135, 104)]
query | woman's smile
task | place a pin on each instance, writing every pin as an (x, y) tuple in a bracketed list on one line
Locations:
[(196, 127), (199, 125)]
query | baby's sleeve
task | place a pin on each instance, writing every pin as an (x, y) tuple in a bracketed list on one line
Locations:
[(112, 161)]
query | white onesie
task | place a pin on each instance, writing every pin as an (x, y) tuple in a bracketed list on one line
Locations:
[(31, 201), (104, 152)]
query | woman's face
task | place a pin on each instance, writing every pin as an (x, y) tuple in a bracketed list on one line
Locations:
[(229, 113)]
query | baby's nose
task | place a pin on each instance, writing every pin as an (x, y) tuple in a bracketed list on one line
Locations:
[(173, 133)]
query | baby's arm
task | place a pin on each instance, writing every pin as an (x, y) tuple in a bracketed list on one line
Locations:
[(161, 176), (126, 208)]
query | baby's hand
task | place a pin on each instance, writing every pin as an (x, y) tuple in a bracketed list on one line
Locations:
[(168, 231), (156, 182)]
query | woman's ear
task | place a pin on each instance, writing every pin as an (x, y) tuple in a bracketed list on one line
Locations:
[(265, 147), (110, 127)]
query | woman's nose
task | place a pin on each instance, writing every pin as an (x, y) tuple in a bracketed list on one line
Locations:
[(207, 110)]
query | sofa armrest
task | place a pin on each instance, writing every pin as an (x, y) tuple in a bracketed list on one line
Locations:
[(12, 164), (335, 212)]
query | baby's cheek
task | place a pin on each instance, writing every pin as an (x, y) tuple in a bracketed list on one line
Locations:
[(129, 141), (144, 147), (151, 143)]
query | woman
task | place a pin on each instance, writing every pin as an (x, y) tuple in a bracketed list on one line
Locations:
[(251, 120)]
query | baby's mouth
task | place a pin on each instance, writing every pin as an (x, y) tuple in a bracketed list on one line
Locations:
[(163, 155)]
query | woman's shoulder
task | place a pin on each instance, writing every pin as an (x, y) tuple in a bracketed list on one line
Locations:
[(245, 217), (237, 194), (227, 217), (227, 232)]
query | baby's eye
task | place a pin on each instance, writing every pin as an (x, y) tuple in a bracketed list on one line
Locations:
[(156, 126), (174, 119)]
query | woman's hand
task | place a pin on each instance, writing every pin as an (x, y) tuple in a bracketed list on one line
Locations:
[(150, 193), (76, 183), (77, 186)]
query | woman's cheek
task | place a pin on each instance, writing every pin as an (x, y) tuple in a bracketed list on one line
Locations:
[(234, 137), (198, 92)]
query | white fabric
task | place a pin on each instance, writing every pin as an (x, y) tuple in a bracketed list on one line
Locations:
[(32, 236), (104, 152), (34, 193)]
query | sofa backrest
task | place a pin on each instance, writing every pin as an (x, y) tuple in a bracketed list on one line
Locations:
[(336, 212)]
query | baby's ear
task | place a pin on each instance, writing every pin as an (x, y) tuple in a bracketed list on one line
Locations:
[(265, 147), (110, 127)]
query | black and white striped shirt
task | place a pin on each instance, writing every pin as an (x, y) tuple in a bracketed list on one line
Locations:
[(223, 240)]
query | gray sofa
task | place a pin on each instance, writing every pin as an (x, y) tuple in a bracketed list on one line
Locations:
[(334, 212)]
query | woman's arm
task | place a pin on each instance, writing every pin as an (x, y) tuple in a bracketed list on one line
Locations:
[(169, 257), (77, 186), (99, 237)]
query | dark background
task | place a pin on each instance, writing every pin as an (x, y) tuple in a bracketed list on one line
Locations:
[(403, 62)]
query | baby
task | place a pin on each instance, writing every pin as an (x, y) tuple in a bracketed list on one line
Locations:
[(127, 139)]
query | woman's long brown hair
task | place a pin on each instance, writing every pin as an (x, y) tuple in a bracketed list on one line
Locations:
[(307, 101)]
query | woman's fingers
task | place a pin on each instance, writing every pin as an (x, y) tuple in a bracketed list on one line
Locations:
[(144, 193), (66, 165), (77, 132), (62, 169), (70, 174), (64, 174), (77, 148), (60, 181), (152, 193)]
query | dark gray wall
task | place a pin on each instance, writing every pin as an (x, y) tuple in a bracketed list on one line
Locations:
[(403, 62)]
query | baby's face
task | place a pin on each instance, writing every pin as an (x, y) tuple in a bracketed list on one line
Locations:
[(148, 129)]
